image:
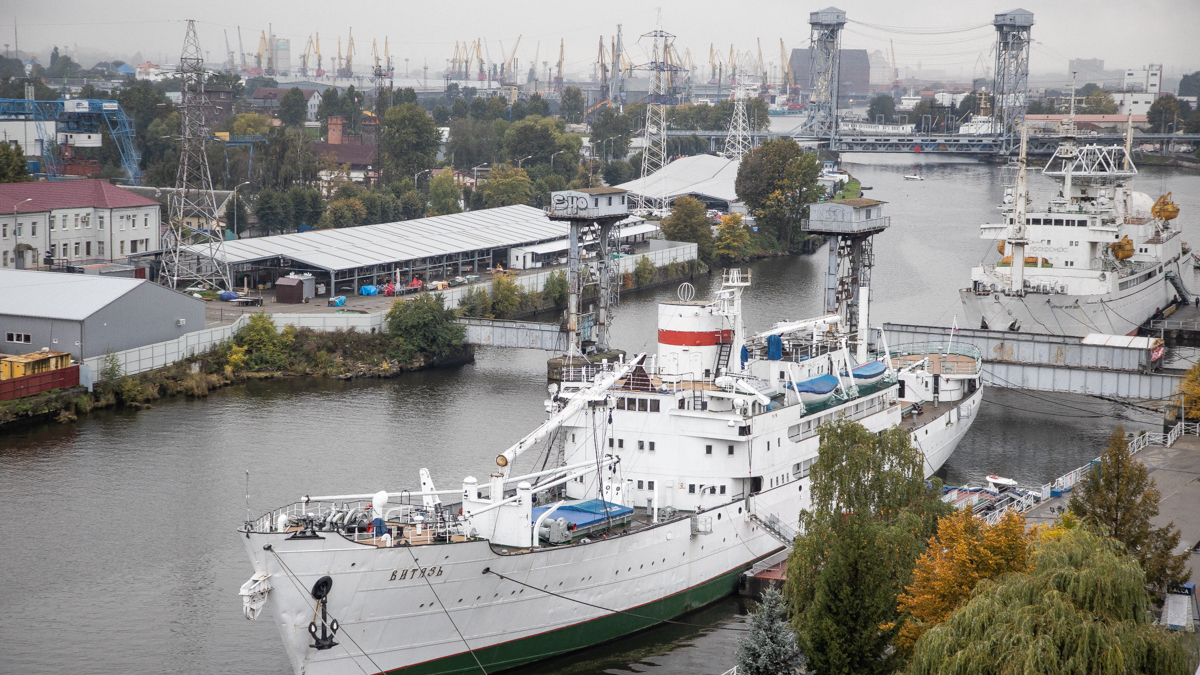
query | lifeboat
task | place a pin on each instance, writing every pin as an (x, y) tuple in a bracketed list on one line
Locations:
[(1164, 208), (1123, 250)]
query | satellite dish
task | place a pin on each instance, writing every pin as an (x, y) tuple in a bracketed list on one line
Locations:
[(686, 292)]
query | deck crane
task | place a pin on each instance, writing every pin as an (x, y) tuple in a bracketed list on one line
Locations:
[(317, 49), (241, 50)]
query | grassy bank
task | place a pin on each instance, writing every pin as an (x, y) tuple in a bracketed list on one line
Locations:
[(419, 334)]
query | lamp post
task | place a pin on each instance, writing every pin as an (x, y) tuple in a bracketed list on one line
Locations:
[(418, 175), (552, 159), (521, 161), (476, 172), (235, 209)]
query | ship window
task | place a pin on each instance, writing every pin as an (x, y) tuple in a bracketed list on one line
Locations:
[(730, 450), (610, 442), (650, 485), (620, 442), (682, 403), (782, 375), (768, 446), (640, 485), (641, 445), (651, 446), (722, 492), (654, 405), (620, 404), (1035, 221), (712, 490), (572, 438), (708, 449), (691, 488), (1058, 221), (643, 405)]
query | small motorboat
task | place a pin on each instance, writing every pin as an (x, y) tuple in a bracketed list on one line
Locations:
[(994, 481), (914, 176)]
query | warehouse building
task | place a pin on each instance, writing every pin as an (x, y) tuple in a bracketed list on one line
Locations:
[(439, 247), (87, 315), (708, 178)]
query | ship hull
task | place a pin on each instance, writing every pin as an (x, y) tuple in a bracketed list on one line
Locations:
[(416, 609), (1064, 314)]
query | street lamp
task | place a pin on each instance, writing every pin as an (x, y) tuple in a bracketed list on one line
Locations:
[(552, 159), (522, 161), (235, 209), (418, 175), (476, 172)]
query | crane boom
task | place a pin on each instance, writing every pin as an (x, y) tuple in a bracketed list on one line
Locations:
[(785, 68), (241, 49), (317, 49), (228, 50)]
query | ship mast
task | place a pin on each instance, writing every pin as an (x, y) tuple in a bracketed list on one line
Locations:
[(1016, 232), (1066, 149)]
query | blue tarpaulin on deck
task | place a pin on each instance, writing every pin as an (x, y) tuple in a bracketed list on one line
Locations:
[(586, 513)]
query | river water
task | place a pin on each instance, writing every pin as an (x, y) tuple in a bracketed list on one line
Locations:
[(120, 553)]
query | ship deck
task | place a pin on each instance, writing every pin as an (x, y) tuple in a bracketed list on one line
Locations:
[(939, 364)]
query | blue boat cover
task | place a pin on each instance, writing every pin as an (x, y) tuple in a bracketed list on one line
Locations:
[(226, 296), (818, 385), (869, 370), (745, 355), (774, 347), (583, 514)]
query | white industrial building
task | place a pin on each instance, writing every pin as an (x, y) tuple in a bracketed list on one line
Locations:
[(708, 178), (80, 222)]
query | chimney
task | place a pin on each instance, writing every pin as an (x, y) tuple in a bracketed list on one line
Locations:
[(335, 130)]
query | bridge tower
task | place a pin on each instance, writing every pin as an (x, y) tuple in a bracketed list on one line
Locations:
[(1011, 86), (849, 224), (825, 42), (192, 245)]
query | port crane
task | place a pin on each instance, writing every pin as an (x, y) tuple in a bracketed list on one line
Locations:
[(229, 51), (558, 77), (317, 49), (241, 49)]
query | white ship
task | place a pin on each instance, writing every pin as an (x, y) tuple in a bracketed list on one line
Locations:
[(669, 474), (1100, 258)]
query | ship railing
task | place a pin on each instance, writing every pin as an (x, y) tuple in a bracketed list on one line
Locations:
[(1174, 324), (432, 518), (941, 350)]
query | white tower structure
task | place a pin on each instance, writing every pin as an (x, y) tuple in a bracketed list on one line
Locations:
[(192, 241), (660, 95)]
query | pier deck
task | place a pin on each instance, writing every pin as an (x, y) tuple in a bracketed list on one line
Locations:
[(1176, 472)]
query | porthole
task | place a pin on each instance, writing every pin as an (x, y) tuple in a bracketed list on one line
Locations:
[(718, 516)]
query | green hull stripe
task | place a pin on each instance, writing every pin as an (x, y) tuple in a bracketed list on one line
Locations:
[(581, 635)]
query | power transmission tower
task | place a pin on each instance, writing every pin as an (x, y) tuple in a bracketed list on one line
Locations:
[(1011, 86), (662, 69), (824, 52), (738, 143), (193, 252)]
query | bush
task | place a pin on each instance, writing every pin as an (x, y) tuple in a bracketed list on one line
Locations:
[(506, 296), (266, 348), (424, 325), (643, 273), (476, 303), (556, 289)]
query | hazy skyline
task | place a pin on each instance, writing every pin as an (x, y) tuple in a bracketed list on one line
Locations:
[(1124, 35)]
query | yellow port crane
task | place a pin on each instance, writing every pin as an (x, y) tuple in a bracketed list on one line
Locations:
[(506, 68), (558, 77), (350, 54), (317, 50), (262, 49), (305, 55), (785, 70)]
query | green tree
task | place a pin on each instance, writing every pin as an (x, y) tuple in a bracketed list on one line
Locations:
[(572, 105), (732, 239), (344, 212), (777, 181), (611, 133), (882, 104), (1189, 84), (1121, 497), (506, 185), (12, 163), (473, 142), (412, 205), (307, 205), (871, 513), (444, 194), (1192, 126), (1166, 115), (770, 646), (1098, 102), (249, 124), (536, 105), (476, 303), (424, 325), (441, 115), (1081, 609), (556, 289), (273, 211), (689, 222), (287, 159), (643, 272), (293, 107), (231, 80), (617, 172), (408, 143), (506, 296)]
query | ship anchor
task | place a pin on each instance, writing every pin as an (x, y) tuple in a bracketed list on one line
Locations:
[(320, 591)]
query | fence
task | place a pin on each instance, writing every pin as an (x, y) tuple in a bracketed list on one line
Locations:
[(162, 354), (28, 385)]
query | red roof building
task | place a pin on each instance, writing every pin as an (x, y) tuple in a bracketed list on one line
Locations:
[(78, 222)]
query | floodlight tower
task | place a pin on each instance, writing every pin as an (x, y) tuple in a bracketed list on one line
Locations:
[(1011, 86), (193, 251), (825, 42)]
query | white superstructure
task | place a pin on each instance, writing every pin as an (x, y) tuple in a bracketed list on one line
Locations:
[(1099, 258), (670, 474)]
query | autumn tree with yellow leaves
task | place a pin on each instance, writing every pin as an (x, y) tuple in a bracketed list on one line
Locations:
[(964, 551)]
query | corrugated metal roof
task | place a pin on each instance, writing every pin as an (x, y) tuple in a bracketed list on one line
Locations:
[(54, 295), (703, 175), (387, 243), (1129, 341)]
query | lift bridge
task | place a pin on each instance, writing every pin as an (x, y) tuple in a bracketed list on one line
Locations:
[(75, 123)]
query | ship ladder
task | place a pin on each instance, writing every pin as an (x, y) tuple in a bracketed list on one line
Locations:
[(723, 356), (773, 525), (1179, 287)]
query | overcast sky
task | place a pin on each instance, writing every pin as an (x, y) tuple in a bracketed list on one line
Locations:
[(1125, 34)]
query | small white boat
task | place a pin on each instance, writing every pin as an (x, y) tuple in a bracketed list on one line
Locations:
[(914, 176)]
